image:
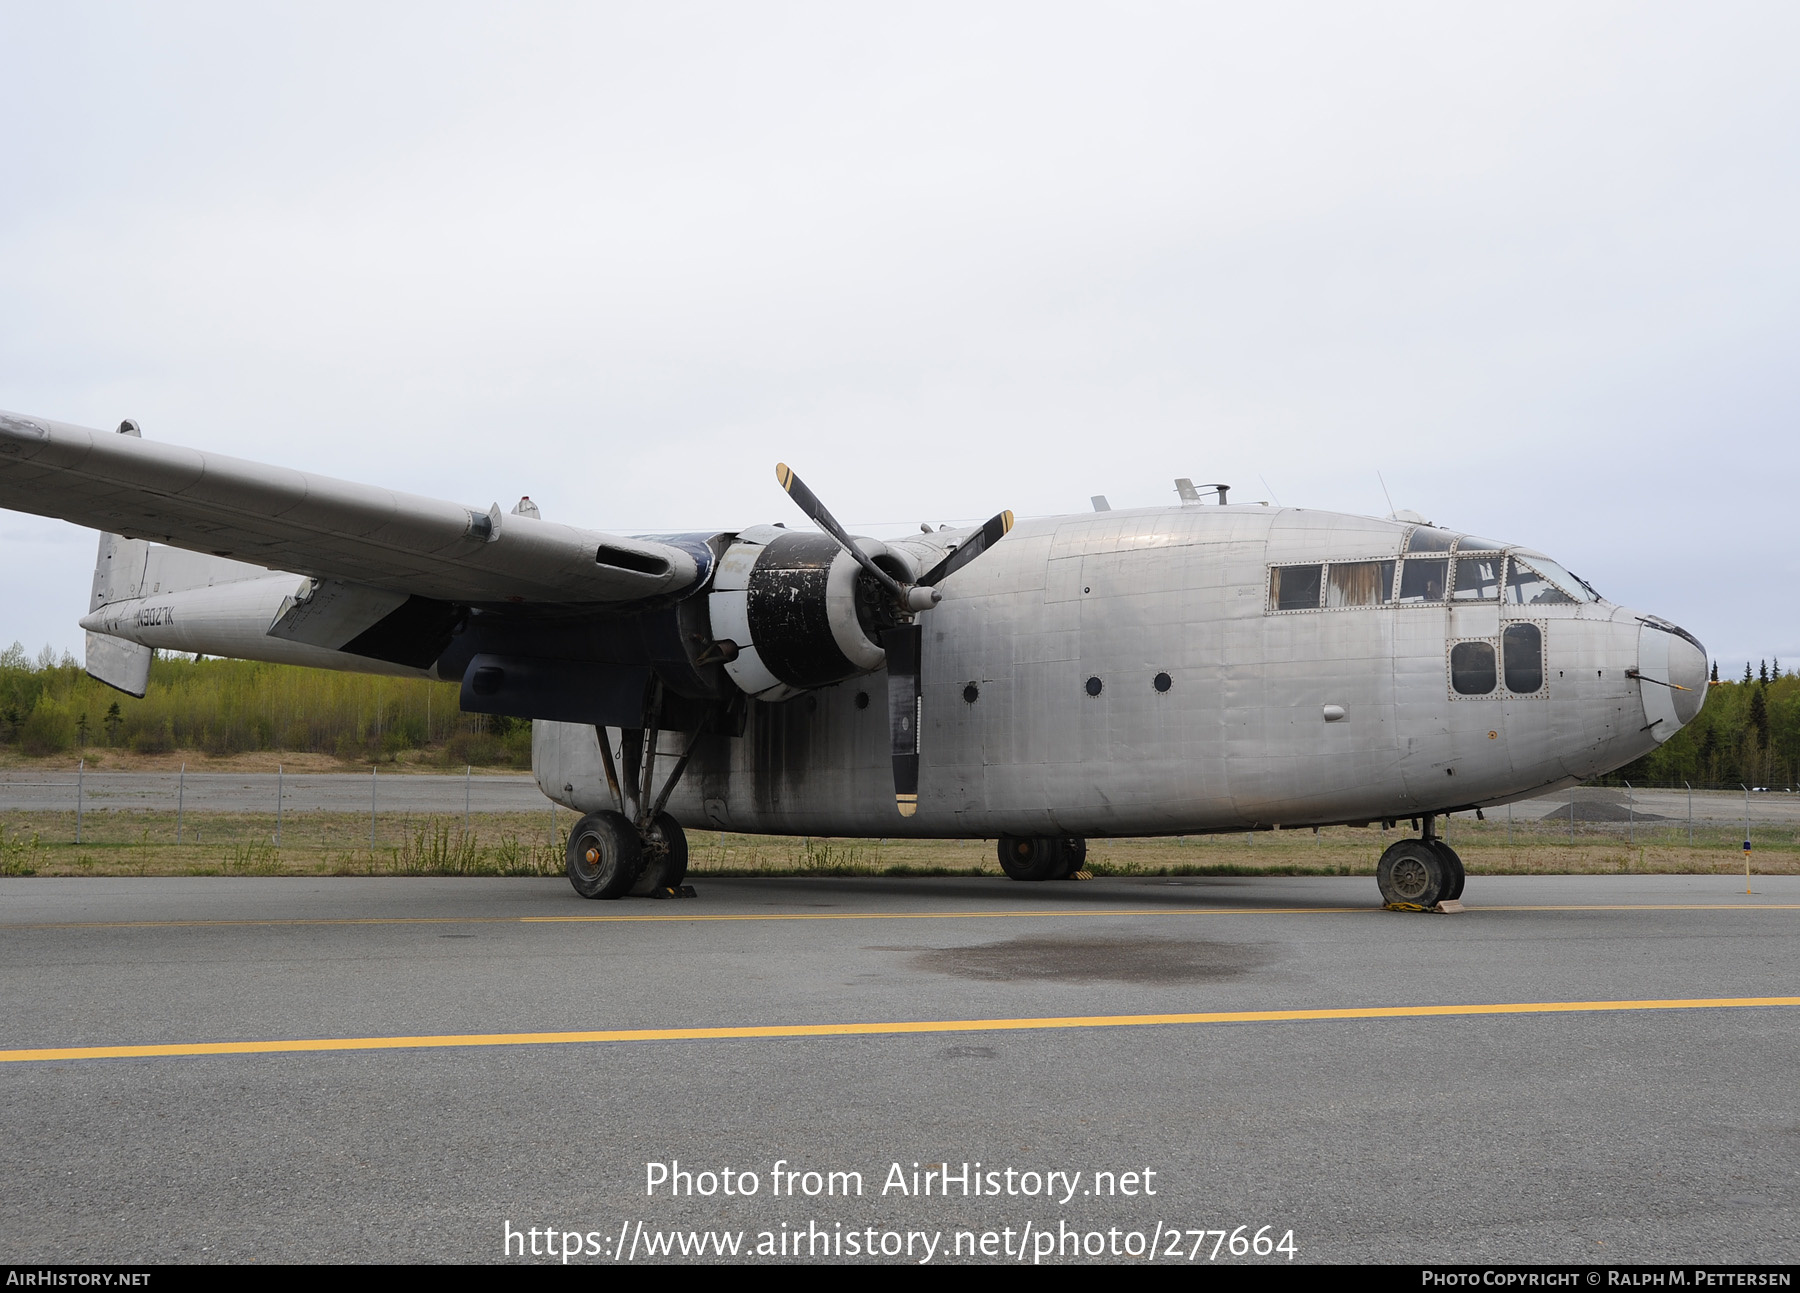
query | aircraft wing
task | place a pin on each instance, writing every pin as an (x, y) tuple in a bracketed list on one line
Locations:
[(315, 525)]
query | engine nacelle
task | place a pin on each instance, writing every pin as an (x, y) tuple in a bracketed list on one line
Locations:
[(801, 611)]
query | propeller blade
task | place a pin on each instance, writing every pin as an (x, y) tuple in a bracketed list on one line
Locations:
[(810, 504), (972, 547), (905, 709)]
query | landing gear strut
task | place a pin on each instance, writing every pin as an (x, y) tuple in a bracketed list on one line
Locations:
[(1421, 872), (637, 848)]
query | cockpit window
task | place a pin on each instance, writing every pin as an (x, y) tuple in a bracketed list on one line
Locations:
[(1428, 538), (1423, 580), (1294, 588), (1477, 579), (1360, 583), (1527, 586), (1469, 543)]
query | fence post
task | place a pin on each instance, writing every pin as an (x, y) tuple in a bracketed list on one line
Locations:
[(180, 799), (1690, 790), (1572, 790), (277, 805), (1630, 816), (468, 772), (372, 771), (81, 767), (1509, 826)]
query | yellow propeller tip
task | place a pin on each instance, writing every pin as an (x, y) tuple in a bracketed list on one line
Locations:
[(783, 473), (1006, 522)]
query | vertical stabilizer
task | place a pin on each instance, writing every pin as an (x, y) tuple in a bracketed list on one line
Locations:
[(119, 574)]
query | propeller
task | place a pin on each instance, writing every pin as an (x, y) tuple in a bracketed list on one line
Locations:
[(904, 643)]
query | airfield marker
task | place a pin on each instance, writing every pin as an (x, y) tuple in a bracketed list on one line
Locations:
[(1746, 836)]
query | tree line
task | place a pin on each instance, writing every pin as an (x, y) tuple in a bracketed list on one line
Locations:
[(50, 706), (1747, 734)]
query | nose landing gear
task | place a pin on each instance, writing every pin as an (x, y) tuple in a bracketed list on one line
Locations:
[(1421, 874), (1025, 857)]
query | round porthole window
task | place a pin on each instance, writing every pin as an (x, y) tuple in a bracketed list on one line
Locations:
[(1093, 686), (862, 700), (1163, 682), (971, 693)]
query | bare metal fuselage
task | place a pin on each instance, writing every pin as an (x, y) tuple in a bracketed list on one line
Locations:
[(1043, 714)]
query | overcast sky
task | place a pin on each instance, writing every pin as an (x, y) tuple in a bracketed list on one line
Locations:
[(1539, 266)]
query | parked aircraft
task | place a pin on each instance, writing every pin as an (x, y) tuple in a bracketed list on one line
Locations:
[(1180, 670)]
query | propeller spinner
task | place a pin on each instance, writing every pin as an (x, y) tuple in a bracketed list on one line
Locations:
[(903, 644)]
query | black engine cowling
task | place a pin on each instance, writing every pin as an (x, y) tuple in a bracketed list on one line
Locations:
[(800, 611)]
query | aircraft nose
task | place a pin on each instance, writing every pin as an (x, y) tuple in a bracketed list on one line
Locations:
[(1672, 669), (1687, 669)]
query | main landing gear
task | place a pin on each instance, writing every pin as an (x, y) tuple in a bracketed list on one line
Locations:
[(1420, 873), (1058, 857), (638, 848)]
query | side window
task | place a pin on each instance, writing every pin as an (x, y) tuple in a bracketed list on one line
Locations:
[(1360, 583), (1522, 650), (1477, 579), (1294, 588), (1423, 581), (1526, 587), (1472, 668)]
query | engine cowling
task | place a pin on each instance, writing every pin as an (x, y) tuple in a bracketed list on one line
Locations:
[(800, 611)]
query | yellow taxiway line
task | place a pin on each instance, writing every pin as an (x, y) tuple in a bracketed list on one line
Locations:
[(695, 917), (764, 1031)]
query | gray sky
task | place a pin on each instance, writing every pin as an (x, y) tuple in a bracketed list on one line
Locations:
[(1535, 264)]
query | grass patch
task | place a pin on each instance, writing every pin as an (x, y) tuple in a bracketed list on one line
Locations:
[(129, 842)]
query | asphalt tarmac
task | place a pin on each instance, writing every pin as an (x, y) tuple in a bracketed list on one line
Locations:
[(415, 1070)]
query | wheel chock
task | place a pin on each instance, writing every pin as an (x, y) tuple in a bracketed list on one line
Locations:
[(1448, 906)]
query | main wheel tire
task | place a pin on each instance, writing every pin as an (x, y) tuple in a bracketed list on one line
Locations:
[(604, 855), (1071, 853), (1413, 872), (1453, 885), (1030, 857), (665, 857)]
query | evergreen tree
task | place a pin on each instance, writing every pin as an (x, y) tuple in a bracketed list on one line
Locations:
[(1749, 677), (113, 719), (1762, 672), (1759, 717), (1715, 672)]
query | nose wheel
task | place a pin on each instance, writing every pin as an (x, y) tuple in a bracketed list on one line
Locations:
[(1027, 857), (1420, 873)]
